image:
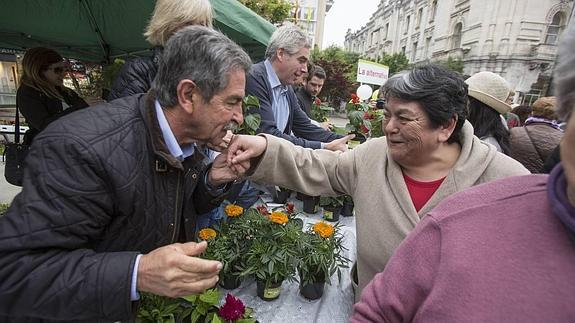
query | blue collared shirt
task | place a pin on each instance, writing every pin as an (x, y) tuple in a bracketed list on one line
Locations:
[(280, 104), (180, 152)]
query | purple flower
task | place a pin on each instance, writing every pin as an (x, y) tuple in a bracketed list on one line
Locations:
[(233, 309)]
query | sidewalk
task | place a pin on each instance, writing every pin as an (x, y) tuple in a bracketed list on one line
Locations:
[(7, 190)]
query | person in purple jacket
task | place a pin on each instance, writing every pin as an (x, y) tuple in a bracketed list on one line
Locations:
[(499, 252)]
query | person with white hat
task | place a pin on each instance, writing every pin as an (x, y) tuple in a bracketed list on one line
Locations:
[(487, 95)]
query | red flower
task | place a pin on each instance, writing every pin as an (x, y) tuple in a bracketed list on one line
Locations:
[(289, 208), (364, 129), (317, 101), (368, 116), (262, 209), (354, 98), (233, 309)]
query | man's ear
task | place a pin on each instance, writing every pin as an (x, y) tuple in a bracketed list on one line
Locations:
[(280, 53), (447, 129), (188, 95)]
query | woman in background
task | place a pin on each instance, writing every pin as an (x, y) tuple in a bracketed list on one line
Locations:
[(42, 96)]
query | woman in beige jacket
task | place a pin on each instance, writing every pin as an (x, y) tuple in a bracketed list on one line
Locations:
[(429, 153)]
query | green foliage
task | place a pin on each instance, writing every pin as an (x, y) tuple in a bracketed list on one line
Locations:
[(252, 119), (3, 208), (319, 112), (331, 201), (274, 11), (160, 309), (227, 247), (341, 68), (270, 256), (396, 62), (110, 73), (454, 64), (320, 257)]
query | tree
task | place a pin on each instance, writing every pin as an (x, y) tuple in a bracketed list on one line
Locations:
[(341, 68), (396, 62), (274, 11), (454, 64)]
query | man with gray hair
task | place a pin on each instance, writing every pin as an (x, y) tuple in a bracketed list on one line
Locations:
[(271, 82), (110, 194)]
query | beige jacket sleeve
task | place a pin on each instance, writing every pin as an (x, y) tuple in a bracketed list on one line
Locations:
[(313, 172)]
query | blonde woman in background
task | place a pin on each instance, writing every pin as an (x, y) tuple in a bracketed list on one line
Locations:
[(169, 16)]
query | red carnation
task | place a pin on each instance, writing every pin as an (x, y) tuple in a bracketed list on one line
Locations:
[(317, 101), (289, 208), (262, 209), (354, 98), (368, 116), (364, 129), (233, 309)]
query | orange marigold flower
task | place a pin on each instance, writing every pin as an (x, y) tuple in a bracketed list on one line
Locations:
[(233, 210), (325, 230), (278, 217), (207, 234)]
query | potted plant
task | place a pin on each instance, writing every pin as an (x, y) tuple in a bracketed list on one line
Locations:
[(226, 246), (320, 249), (194, 308), (281, 195), (331, 207), (252, 119), (310, 204), (347, 208), (271, 255)]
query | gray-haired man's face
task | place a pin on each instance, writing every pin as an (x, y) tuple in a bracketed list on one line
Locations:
[(291, 67)]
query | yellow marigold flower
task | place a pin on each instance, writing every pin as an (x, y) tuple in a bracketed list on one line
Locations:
[(278, 217), (325, 230), (233, 210), (207, 234)]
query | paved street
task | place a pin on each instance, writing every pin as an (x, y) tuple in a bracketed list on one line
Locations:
[(7, 191)]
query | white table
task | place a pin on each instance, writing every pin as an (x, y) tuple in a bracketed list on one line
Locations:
[(334, 306)]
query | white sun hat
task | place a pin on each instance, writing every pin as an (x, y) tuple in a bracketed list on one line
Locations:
[(490, 89)]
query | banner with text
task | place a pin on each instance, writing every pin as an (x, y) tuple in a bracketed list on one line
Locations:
[(371, 72)]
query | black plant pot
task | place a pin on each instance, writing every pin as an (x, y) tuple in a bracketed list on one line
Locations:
[(281, 196), (310, 204), (312, 291), (268, 293), (331, 214), (347, 209), (230, 282), (300, 196)]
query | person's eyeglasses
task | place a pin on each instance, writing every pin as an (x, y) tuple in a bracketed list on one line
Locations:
[(58, 70)]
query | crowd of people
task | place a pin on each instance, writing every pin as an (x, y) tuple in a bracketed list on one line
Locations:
[(451, 226)]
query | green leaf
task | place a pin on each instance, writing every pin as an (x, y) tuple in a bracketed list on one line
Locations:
[(195, 316), (190, 298), (251, 101), (217, 319), (211, 296), (252, 121)]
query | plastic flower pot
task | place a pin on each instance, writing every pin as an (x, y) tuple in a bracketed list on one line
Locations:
[(310, 204), (312, 291), (347, 209), (230, 282), (331, 213), (300, 196), (282, 196), (269, 293)]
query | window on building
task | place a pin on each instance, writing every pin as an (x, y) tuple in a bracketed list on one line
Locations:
[(407, 21), (433, 10), (414, 52), (419, 18), (456, 38), (403, 50), (386, 32), (426, 47), (554, 29)]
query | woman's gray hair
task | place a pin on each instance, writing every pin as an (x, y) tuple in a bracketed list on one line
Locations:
[(199, 54), (291, 38), (564, 78)]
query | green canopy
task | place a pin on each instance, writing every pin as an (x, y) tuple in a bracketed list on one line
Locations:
[(100, 30)]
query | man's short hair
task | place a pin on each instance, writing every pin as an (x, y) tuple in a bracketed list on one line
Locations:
[(291, 38), (441, 93), (199, 54), (316, 71)]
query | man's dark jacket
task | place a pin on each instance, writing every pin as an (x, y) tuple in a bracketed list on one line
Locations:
[(304, 99), (306, 134), (136, 75), (100, 187)]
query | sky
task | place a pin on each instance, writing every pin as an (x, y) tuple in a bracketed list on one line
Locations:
[(339, 19)]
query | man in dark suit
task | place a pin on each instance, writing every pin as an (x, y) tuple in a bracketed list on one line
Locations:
[(271, 82)]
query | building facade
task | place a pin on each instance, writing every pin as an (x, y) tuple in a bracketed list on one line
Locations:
[(514, 38), (310, 16)]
